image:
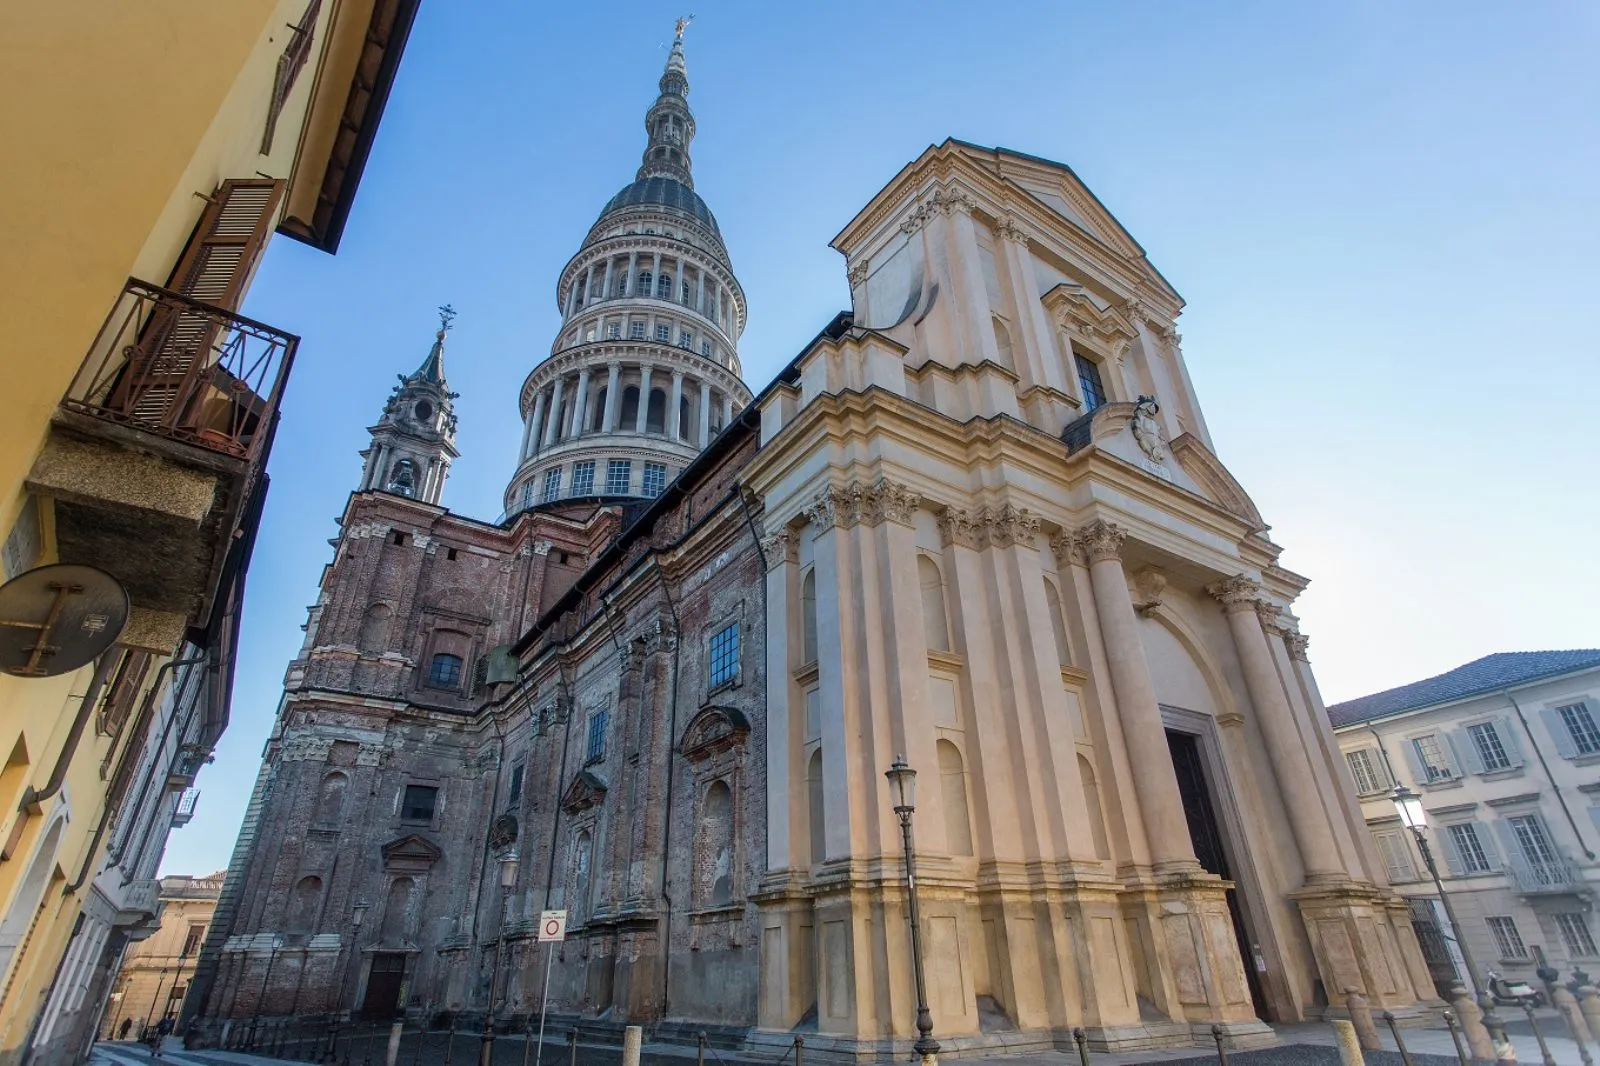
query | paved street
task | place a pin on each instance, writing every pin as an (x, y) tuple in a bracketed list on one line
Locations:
[(1301, 1045)]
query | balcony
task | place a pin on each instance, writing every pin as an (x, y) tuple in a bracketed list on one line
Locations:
[(141, 903), (183, 813), (156, 453), (1554, 877)]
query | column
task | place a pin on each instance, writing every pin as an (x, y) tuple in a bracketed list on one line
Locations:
[(527, 432), (580, 403), (1034, 325), (971, 295), (727, 409), (675, 407), (380, 453), (655, 274), (1160, 805), (700, 292), (632, 279), (588, 287), (572, 298), (605, 286), (535, 424), (553, 420), (705, 413), (644, 399), (1244, 602), (608, 416)]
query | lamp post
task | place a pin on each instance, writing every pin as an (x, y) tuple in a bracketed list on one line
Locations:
[(903, 790), (508, 880), (358, 913), (1409, 806)]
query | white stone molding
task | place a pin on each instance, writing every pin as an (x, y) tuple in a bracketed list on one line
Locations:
[(857, 273)]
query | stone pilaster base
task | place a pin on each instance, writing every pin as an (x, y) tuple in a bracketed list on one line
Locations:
[(1191, 970), (1361, 940)]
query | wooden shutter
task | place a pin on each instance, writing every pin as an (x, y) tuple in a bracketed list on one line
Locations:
[(1566, 747), (177, 341)]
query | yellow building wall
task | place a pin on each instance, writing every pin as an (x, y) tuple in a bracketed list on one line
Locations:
[(116, 119), (151, 967)]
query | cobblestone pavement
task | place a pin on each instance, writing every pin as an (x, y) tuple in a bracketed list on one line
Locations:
[(1300, 1045)]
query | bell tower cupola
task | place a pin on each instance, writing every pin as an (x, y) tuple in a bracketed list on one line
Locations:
[(644, 370), (414, 443)]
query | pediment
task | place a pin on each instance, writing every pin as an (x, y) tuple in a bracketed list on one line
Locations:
[(1074, 308), (1215, 480), (410, 854), (713, 730), (586, 790)]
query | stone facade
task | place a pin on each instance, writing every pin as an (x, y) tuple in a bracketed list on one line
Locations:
[(976, 522)]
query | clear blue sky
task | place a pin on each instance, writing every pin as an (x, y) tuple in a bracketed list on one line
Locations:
[(1382, 216)]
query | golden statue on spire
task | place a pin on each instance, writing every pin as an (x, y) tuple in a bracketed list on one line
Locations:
[(682, 24)]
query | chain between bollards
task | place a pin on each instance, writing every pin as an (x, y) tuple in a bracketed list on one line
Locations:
[(1081, 1038)]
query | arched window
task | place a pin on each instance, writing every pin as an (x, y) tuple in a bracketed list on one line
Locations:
[(375, 628), (714, 864), (953, 791), (303, 905), (599, 413), (583, 857), (645, 279), (664, 287), (1002, 344), (1091, 803), (445, 671), (1058, 623), (403, 478), (656, 418), (808, 618), (814, 793), (396, 908), (330, 800), (683, 418), (935, 623), (630, 407)]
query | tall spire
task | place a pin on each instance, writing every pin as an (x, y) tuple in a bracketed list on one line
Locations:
[(432, 368), (669, 121)]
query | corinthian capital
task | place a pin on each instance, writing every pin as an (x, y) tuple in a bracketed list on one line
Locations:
[(1006, 525), (1008, 229), (779, 548), (961, 527), (888, 501), (857, 273), (1298, 642), (1100, 540), (833, 506), (1064, 546), (1238, 593)]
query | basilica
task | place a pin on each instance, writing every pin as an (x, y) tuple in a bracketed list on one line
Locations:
[(977, 522)]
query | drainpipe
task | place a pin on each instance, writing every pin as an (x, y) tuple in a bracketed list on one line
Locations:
[(1545, 765), (1383, 752), (31, 797)]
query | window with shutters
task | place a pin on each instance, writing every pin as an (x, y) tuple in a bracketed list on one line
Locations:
[(193, 938), (1432, 762), (1396, 854), (1507, 937), (1574, 929), (1367, 769), (1468, 849), (121, 690), (1490, 749), (1534, 843), (290, 63), (1580, 725)]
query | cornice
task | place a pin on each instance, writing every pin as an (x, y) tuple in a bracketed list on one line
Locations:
[(588, 255), (622, 305), (601, 354)]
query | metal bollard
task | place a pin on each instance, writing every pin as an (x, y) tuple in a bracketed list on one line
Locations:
[(1451, 1024), (332, 1050), (700, 1049), (422, 1035), (366, 1052), (1081, 1038), (799, 1051), (1349, 1044), (1361, 1018), (397, 1032), (632, 1040), (527, 1039), (1399, 1043), (1222, 1050), (450, 1040), (1544, 1048), (572, 1047)]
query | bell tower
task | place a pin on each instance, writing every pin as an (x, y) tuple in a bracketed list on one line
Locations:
[(414, 443)]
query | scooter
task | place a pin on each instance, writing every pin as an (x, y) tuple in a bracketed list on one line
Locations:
[(1513, 993)]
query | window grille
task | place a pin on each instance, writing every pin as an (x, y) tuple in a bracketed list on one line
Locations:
[(1491, 752), (514, 793), (552, 484), (597, 736), (583, 478), (1506, 937), (725, 655), (655, 479), (619, 473)]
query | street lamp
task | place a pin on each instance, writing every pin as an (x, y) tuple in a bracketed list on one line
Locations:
[(903, 790), (358, 913), (1409, 806), (508, 880)]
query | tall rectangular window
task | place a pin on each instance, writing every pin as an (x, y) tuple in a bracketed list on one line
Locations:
[(663, 332), (619, 473), (1094, 391), (597, 736), (1465, 838), (1396, 855), (706, 349), (1534, 842), (192, 941), (686, 340), (418, 803), (1574, 928), (514, 793), (1580, 723), (655, 479), (552, 484), (613, 331), (583, 478), (1431, 758), (1491, 752), (1506, 937), (725, 655), (636, 331), (1364, 767)]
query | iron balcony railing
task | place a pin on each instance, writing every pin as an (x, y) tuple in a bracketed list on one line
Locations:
[(170, 365), (1554, 876)]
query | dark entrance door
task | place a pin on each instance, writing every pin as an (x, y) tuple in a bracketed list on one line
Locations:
[(384, 982), (1205, 833)]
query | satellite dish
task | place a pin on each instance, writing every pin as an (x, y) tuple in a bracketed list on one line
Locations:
[(54, 619)]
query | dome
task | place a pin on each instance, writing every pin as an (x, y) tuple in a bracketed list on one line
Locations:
[(666, 192)]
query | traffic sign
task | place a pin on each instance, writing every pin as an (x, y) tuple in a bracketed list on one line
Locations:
[(552, 925)]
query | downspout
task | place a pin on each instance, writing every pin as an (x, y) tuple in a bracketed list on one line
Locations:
[(561, 768), (58, 776), (1545, 765), (672, 740), (1383, 752)]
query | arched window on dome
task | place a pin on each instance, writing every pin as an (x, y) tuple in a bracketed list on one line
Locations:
[(599, 413), (664, 287), (683, 418), (630, 407), (656, 417), (645, 278)]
